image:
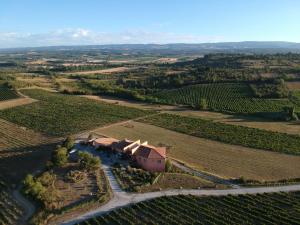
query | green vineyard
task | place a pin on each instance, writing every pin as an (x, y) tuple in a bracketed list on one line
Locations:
[(232, 134), (222, 97), (279, 208), (10, 211), (6, 93), (14, 137), (58, 114)]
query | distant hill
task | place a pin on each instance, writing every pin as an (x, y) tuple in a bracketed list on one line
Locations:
[(226, 47)]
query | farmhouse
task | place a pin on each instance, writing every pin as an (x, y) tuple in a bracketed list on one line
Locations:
[(151, 158), (148, 157)]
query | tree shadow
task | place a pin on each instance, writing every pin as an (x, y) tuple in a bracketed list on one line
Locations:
[(18, 162)]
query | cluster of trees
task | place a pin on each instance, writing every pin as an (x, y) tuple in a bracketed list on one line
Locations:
[(61, 154), (42, 187), (62, 68), (270, 89), (37, 188)]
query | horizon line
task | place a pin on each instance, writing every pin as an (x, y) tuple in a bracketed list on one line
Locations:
[(149, 43)]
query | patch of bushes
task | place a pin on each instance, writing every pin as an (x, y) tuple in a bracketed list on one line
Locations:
[(131, 179), (88, 162)]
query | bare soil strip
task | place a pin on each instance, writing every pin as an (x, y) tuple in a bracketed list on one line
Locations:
[(293, 85), (104, 71), (16, 102)]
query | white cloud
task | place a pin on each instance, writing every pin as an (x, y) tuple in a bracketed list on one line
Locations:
[(87, 37)]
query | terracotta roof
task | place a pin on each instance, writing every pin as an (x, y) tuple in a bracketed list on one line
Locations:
[(105, 141), (122, 144), (148, 151)]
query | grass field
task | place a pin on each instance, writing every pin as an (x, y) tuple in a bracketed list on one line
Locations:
[(222, 97), (104, 71), (58, 114), (279, 208), (222, 159), (7, 94), (238, 135)]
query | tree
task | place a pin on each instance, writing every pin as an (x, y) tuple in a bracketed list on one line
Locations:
[(289, 113), (88, 161), (60, 157), (68, 143), (33, 187), (202, 104)]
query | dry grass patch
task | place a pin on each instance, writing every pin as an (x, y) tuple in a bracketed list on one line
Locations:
[(176, 181), (293, 85), (65, 80), (36, 81), (37, 62), (103, 71), (15, 102), (166, 60), (225, 160), (71, 192)]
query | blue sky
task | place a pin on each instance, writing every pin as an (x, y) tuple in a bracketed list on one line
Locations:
[(58, 22)]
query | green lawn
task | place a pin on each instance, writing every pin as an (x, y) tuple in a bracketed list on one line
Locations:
[(58, 114)]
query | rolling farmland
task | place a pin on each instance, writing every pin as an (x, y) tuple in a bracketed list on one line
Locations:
[(222, 97), (238, 135), (58, 114), (22, 151), (225, 160), (277, 208), (15, 137)]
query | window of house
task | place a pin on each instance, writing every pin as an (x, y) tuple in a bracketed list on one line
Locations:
[(159, 161)]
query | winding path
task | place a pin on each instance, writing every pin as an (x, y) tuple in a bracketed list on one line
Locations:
[(122, 198)]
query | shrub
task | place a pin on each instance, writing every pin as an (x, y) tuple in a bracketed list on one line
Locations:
[(60, 157), (88, 161), (203, 104), (68, 143)]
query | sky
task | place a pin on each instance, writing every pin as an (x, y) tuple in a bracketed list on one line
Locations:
[(25, 23)]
